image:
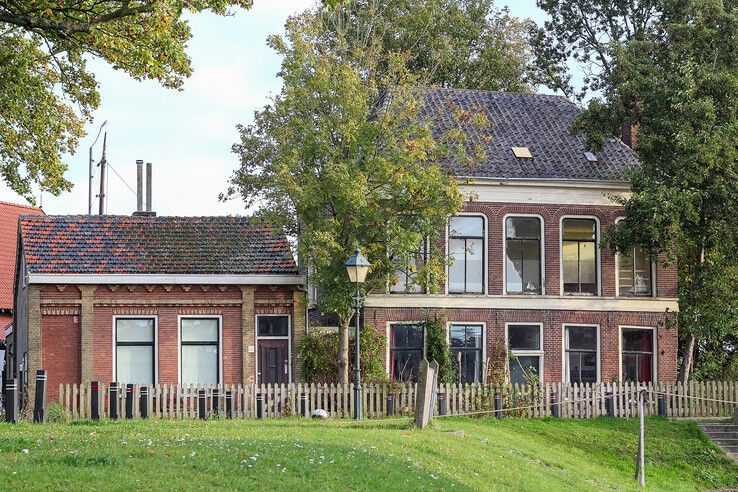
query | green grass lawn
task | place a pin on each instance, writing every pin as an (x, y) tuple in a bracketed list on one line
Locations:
[(295, 454)]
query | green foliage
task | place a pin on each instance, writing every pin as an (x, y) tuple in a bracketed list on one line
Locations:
[(676, 77), (57, 414), (46, 91), (437, 348), (450, 43), (318, 355)]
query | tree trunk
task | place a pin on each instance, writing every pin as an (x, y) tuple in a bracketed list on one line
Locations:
[(343, 351), (687, 358)]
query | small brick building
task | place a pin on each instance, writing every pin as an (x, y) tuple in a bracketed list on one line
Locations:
[(145, 299), (527, 276)]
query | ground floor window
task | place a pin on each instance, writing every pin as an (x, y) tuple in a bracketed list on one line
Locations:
[(525, 346), (637, 354), (466, 348), (134, 350), (406, 351), (581, 354), (200, 351)]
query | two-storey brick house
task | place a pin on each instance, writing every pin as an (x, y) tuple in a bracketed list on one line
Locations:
[(527, 274), (145, 299)]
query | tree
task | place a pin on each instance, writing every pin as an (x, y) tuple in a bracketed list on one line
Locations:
[(677, 82), (450, 43), (343, 158), (46, 91)]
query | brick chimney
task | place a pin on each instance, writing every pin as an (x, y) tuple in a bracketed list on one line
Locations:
[(629, 134)]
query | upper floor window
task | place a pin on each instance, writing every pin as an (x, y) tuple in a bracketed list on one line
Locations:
[(406, 278), (634, 273), (579, 256), (523, 255), (466, 254)]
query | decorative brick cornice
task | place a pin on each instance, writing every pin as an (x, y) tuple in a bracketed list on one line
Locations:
[(203, 311), (60, 310), (168, 302), (134, 311)]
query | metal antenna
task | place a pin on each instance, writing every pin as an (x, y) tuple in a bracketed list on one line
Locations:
[(102, 176), (89, 194)]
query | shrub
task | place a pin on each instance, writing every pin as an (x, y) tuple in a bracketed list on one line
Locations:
[(57, 414), (437, 347)]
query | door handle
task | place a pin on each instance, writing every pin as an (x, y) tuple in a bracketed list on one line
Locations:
[(285, 367)]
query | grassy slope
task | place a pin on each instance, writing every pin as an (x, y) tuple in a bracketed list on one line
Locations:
[(503, 455)]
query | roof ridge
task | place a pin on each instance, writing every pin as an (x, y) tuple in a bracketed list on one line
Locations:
[(487, 91), (21, 205)]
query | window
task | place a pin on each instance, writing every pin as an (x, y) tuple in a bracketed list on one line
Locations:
[(637, 347), (634, 273), (273, 326), (466, 252), (134, 350), (199, 351), (406, 351), (581, 354), (523, 255), (524, 341), (466, 348), (579, 251), (406, 278)]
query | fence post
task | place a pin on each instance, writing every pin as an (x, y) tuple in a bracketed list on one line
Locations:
[(95, 400), (609, 404), (303, 404), (390, 404), (555, 407), (442, 403), (216, 401), (201, 413), (229, 404), (498, 406), (144, 402), (662, 405), (11, 400), (129, 400), (113, 401), (259, 405), (39, 407)]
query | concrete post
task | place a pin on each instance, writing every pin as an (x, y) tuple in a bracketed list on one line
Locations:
[(201, 405), (143, 404), (498, 406), (113, 401), (95, 400), (11, 400), (39, 406)]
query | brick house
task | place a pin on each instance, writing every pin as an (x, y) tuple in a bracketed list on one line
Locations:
[(9, 213), (148, 299), (527, 275)]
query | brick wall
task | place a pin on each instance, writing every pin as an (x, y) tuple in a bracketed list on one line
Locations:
[(94, 308), (553, 344)]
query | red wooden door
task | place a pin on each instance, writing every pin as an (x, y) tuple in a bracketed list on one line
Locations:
[(273, 362)]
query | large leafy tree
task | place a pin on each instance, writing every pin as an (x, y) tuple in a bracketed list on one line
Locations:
[(677, 82), (451, 43), (343, 158), (46, 91)]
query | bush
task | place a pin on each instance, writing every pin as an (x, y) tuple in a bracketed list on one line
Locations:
[(318, 355), (437, 348), (57, 414)]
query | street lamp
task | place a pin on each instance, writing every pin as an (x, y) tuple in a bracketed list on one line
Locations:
[(357, 267)]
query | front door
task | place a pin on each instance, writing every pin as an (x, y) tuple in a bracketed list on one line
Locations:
[(273, 361)]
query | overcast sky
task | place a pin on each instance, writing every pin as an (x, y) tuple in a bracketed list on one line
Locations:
[(188, 134)]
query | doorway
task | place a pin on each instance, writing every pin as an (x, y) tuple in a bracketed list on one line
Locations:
[(273, 364)]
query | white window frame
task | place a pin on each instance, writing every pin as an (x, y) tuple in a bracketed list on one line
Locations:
[(598, 254), (655, 358), (485, 253), (543, 253), (654, 287), (483, 324), (288, 338), (564, 359), (423, 288), (155, 317), (540, 352), (219, 317), (387, 350)]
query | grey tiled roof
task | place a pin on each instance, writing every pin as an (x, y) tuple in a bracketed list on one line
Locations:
[(108, 244), (540, 122)]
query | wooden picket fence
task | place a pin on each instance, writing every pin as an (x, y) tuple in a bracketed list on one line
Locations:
[(694, 399)]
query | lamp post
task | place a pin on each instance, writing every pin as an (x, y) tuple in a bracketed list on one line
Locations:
[(357, 267)]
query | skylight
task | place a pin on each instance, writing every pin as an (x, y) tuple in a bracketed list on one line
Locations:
[(591, 158), (522, 152)]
